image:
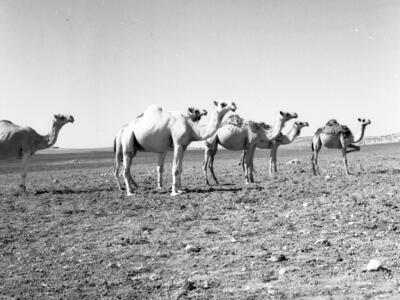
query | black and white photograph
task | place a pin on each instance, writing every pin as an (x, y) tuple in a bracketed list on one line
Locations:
[(200, 149)]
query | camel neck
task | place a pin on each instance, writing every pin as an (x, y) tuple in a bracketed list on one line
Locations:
[(51, 138), (360, 135), (290, 136), (203, 132), (276, 129)]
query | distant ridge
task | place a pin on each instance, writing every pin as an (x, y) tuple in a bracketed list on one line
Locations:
[(383, 139)]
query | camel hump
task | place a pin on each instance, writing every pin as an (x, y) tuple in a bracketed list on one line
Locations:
[(332, 122), (333, 127), (154, 108), (235, 120)]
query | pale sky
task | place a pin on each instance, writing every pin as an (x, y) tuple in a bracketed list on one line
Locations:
[(104, 62)]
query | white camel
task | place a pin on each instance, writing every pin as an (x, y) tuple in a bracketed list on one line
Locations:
[(161, 131), (246, 137), (193, 114), (282, 139), (17, 142), (336, 136)]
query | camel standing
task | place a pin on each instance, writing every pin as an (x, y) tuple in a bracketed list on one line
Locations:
[(161, 131), (336, 136), (193, 114), (17, 142), (282, 139), (246, 137)]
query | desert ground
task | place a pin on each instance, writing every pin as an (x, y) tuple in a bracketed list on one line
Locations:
[(74, 235)]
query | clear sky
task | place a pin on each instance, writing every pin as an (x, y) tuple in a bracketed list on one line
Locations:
[(104, 62)]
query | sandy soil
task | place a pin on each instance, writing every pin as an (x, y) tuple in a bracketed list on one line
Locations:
[(74, 235)]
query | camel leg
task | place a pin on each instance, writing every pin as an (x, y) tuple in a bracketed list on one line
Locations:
[(242, 158), (249, 165), (117, 168), (272, 160), (345, 161), (25, 162), (129, 182), (160, 169), (178, 155), (207, 155), (180, 168), (344, 153), (316, 146), (211, 167), (354, 148)]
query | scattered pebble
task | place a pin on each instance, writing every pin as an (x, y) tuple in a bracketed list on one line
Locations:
[(190, 248), (374, 265), (278, 258), (356, 196), (323, 242), (233, 240), (114, 266), (56, 181), (282, 271), (328, 178), (154, 277), (293, 161), (206, 285)]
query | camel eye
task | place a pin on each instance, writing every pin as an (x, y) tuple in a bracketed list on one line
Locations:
[(196, 112), (223, 104), (62, 118)]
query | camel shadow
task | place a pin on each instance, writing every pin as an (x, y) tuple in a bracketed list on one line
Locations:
[(215, 188), (66, 191)]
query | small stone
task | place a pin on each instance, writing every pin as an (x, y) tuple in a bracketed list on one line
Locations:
[(190, 248), (356, 196), (305, 204), (154, 277), (282, 271), (328, 178), (206, 285), (373, 265), (293, 161), (55, 181), (114, 266), (233, 240), (323, 242), (189, 285), (278, 258)]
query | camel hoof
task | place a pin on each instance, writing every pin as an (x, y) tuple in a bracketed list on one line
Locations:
[(129, 194), (159, 188)]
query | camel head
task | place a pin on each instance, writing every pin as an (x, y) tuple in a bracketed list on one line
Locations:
[(286, 116), (221, 108), (299, 125), (60, 120), (364, 122), (195, 114)]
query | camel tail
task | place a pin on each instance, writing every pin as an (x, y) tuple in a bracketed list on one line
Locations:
[(115, 145)]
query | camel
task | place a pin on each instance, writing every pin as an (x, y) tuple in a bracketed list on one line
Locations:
[(336, 136), (193, 114), (246, 136), (160, 131), (282, 139), (17, 142)]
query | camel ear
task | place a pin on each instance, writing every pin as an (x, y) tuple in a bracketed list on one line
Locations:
[(359, 119), (282, 113), (215, 103), (204, 112), (191, 109)]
